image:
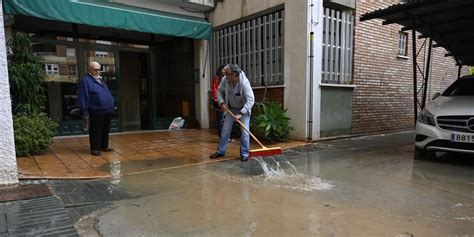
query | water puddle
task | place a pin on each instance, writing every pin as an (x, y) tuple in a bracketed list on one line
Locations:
[(284, 174), (464, 211), (275, 172), (116, 168)]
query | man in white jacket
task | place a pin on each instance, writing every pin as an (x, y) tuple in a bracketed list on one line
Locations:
[(235, 94)]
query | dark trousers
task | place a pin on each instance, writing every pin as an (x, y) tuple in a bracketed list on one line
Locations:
[(99, 127)]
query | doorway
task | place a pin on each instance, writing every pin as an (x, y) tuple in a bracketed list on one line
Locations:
[(134, 91)]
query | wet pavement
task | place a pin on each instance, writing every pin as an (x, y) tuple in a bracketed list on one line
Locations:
[(70, 158), (366, 186), (44, 216)]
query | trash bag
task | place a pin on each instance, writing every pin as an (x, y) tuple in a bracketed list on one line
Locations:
[(177, 124)]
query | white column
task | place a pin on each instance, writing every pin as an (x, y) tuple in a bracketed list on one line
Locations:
[(315, 20), (202, 84), (8, 168), (302, 18), (296, 66)]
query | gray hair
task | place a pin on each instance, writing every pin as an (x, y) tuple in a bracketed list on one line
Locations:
[(234, 69), (93, 63)]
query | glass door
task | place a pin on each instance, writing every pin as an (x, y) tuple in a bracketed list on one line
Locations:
[(110, 75)]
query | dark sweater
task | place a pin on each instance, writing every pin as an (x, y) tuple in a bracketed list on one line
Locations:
[(94, 97)]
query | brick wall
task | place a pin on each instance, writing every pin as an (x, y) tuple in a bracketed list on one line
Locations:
[(383, 98), (273, 94)]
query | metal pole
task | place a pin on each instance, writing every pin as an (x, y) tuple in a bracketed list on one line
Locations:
[(459, 71), (310, 110), (427, 73), (415, 98)]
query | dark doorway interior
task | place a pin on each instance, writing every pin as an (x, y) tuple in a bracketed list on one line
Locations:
[(174, 93), (134, 91)]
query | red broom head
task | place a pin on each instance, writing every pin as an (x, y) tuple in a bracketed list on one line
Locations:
[(269, 151)]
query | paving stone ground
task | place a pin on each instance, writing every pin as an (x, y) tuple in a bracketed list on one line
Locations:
[(36, 217), (81, 198), (55, 215)]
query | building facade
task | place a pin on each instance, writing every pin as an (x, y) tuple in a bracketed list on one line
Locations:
[(360, 81), (148, 51), (150, 54), (334, 74), (383, 73)]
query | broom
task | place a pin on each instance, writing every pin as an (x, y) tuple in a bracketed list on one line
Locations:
[(264, 151)]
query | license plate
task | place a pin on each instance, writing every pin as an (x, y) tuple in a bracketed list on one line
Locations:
[(460, 137)]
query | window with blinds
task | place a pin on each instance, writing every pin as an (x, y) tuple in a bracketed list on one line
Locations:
[(403, 44), (256, 45), (338, 36)]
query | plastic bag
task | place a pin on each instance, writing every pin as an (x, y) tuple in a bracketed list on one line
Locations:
[(177, 124)]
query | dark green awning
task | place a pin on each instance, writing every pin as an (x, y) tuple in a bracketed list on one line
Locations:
[(103, 13)]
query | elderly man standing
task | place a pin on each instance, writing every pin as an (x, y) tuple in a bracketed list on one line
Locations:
[(96, 104), (235, 94)]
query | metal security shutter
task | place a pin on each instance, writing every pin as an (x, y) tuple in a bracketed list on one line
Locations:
[(337, 47), (255, 45)]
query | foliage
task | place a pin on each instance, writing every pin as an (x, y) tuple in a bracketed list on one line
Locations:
[(26, 76), (33, 133), (471, 70), (271, 122), (33, 129)]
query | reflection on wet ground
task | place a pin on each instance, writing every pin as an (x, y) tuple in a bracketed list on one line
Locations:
[(368, 186)]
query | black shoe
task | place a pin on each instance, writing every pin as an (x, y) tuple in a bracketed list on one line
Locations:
[(244, 159), (108, 149), (95, 153), (216, 155)]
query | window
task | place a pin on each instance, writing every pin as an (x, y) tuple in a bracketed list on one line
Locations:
[(403, 44), (71, 52), (255, 45), (337, 49), (51, 69), (44, 49), (72, 70), (103, 42), (104, 68), (461, 87), (101, 54)]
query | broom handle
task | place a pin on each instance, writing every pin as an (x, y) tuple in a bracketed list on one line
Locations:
[(246, 129)]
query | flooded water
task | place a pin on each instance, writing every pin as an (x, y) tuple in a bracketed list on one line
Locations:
[(288, 177), (357, 187)]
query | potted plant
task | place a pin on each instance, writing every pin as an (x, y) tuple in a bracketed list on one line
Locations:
[(271, 123)]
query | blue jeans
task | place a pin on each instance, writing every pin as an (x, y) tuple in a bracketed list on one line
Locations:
[(227, 129), (220, 121)]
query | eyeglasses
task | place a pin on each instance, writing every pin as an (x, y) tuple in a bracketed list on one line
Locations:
[(96, 69)]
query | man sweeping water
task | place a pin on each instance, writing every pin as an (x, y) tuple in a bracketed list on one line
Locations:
[(236, 95)]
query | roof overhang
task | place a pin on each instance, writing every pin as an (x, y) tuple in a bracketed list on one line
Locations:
[(448, 22), (104, 13)]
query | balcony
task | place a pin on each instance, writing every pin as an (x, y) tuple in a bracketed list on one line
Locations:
[(199, 5), (196, 6)]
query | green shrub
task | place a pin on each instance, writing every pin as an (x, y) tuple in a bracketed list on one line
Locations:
[(26, 76), (33, 129), (271, 122), (33, 133)]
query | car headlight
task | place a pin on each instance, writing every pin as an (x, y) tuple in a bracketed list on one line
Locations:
[(426, 117)]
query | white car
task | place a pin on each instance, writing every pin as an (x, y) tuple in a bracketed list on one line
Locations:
[(447, 123)]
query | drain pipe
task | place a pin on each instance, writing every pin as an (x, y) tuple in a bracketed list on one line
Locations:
[(309, 138), (459, 70), (310, 110)]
